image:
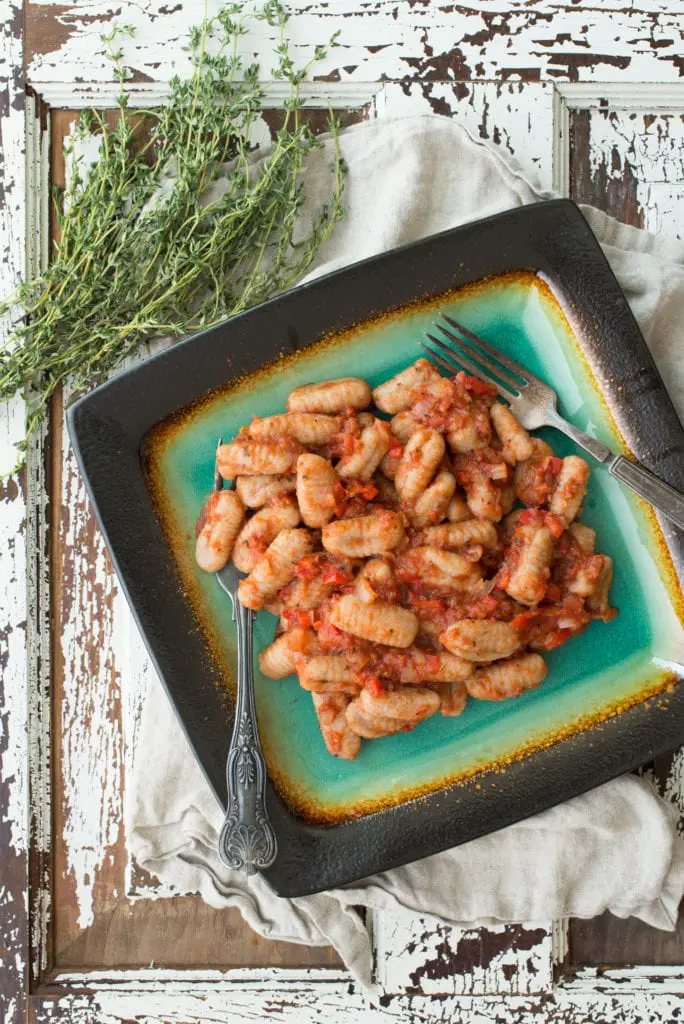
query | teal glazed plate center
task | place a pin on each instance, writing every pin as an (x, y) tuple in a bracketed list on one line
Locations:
[(607, 668), (535, 282)]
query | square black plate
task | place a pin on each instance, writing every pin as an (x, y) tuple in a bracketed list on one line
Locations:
[(107, 429)]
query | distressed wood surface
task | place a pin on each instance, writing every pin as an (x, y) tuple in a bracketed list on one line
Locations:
[(631, 164), (409, 41), (423, 956), (494, 66), (157, 997), (14, 782)]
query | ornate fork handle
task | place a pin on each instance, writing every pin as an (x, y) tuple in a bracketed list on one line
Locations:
[(247, 841)]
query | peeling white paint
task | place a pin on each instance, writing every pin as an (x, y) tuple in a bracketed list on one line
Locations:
[(432, 958), (324, 997), (673, 789), (649, 148), (90, 763), (14, 793), (613, 41)]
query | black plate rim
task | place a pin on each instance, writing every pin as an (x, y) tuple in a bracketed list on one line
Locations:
[(551, 237)]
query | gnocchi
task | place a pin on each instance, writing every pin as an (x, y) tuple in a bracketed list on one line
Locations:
[(383, 623), (364, 536), (414, 563), (262, 528), (330, 396), (316, 480), (217, 527)]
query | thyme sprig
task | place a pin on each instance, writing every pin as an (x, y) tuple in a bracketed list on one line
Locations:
[(175, 226)]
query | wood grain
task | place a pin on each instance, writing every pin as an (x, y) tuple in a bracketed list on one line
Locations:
[(180, 932), (612, 940), (627, 163)]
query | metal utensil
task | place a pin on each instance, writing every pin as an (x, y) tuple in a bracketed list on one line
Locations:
[(247, 841), (534, 404)]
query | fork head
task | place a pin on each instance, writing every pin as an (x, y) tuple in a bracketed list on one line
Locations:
[(530, 399)]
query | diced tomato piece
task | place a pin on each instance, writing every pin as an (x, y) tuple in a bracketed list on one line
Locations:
[(555, 465), (529, 515), (296, 617), (547, 519), (334, 576), (396, 448), (522, 621), (429, 604), (553, 592), (374, 686), (474, 384), (307, 567), (359, 489), (556, 639), (341, 500), (554, 524)]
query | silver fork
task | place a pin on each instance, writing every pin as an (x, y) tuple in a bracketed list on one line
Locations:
[(534, 404), (247, 841)]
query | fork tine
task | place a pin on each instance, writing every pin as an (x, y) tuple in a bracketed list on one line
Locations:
[(456, 360), (448, 366), (475, 339), (513, 384)]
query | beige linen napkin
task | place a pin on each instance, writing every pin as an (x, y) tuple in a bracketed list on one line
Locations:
[(614, 848)]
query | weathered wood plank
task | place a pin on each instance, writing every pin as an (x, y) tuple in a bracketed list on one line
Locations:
[(14, 831), (38, 575), (631, 163), (423, 956), (388, 40), (156, 997)]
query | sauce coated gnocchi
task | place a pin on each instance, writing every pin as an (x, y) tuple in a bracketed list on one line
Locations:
[(420, 549)]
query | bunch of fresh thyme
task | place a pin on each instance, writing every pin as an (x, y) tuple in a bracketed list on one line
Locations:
[(132, 259)]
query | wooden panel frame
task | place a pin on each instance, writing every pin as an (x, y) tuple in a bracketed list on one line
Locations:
[(550, 988)]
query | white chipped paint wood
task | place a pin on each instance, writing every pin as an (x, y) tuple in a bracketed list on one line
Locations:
[(14, 782), (326, 997), (649, 147), (424, 956), (398, 57), (612, 41)]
